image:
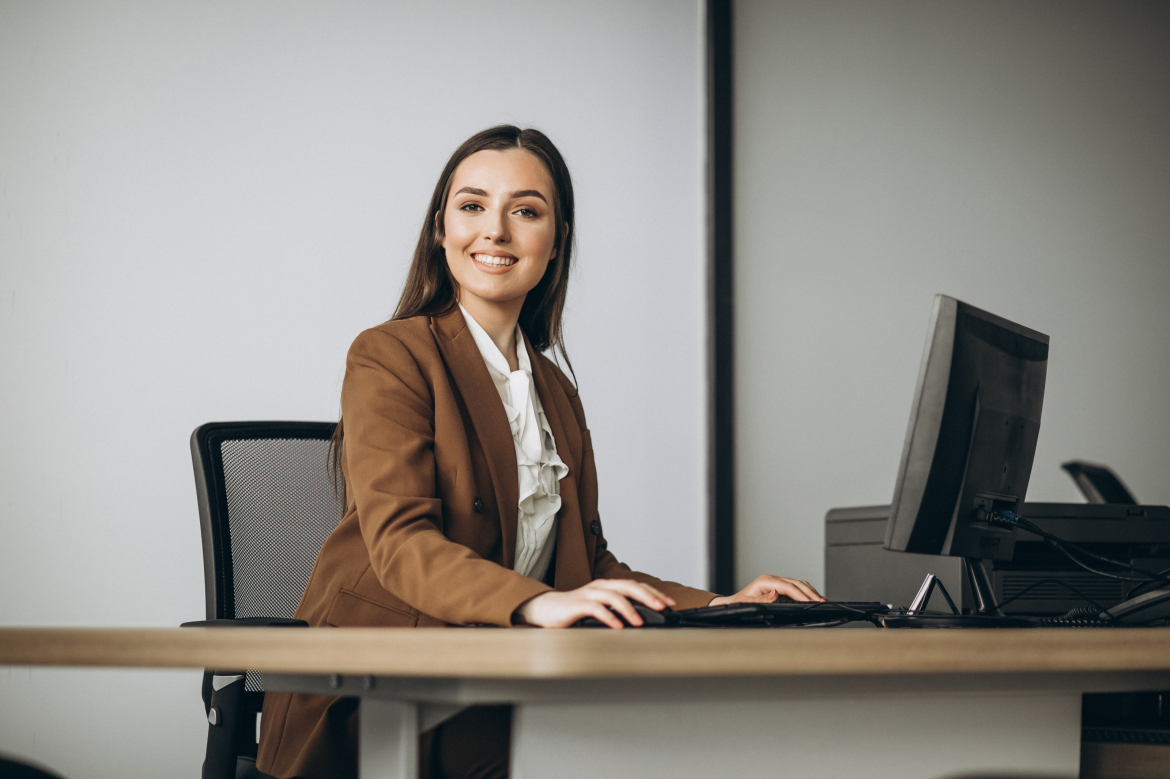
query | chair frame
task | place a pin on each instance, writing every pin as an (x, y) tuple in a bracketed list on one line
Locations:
[(225, 701), (212, 495)]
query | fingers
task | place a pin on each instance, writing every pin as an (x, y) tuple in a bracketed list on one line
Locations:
[(662, 596), (606, 600), (605, 604), (643, 593), (563, 609), (598, 611), (616, 594), (808, 590), (621, 605), (769, 588), (796, 589), (615, 598)]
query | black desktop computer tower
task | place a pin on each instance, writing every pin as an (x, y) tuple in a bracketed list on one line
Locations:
[(858, 568)]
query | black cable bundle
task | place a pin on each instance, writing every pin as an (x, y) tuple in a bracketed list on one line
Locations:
[(1008, 519)]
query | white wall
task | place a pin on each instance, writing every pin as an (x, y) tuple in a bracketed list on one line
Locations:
[(1011, 154), (202, 204)]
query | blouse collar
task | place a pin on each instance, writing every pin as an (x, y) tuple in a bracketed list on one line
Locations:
[(491, 353)]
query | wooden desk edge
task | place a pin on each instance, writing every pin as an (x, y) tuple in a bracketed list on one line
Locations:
[(549, 654)]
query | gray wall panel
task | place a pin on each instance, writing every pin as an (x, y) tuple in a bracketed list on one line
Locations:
[(1014, 155)]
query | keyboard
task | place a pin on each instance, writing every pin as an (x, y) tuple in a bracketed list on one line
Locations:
[(755, 615), (780, 614), (1072, 622)]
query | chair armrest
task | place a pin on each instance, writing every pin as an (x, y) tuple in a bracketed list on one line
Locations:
[(224, 700), (247, 622)]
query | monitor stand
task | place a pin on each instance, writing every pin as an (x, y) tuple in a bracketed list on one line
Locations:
[(981, 589), (986, 615)]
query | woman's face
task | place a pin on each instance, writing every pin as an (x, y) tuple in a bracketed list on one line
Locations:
[(499, 228)]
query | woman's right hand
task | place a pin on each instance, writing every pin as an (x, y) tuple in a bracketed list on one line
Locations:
[(595, 599)]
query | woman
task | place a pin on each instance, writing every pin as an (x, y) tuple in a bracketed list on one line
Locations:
[(471, 494)]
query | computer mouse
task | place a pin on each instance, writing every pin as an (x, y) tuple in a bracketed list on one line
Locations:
[(650, 618), (1153, 606)]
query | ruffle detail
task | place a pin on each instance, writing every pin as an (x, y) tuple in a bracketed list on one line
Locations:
[(539, 468), (540, 471)]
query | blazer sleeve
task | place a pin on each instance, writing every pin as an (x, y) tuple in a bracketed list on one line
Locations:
[(389, 416), (605, 564)]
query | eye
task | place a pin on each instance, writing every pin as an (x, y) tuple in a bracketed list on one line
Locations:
[(527, 212), (471, 207)]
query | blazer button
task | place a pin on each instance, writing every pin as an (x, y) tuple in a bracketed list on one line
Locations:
[(595, 526), (478, 506)]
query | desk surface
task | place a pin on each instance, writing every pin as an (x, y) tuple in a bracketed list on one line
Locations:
[(596, 654)]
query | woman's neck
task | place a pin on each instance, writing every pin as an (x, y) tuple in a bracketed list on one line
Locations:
[(499, 322)]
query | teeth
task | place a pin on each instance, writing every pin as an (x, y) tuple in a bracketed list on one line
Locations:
[(495, 262)]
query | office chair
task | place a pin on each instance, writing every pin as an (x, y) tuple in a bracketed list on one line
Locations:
[(267, 503)]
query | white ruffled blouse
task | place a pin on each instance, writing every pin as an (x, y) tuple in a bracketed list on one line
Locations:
[(539, 468)]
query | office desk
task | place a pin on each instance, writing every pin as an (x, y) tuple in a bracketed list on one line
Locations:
[(681, 703)]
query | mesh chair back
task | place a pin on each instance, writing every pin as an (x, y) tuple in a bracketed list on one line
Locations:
[(266, 505)]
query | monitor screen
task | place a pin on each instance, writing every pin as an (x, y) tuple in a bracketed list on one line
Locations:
[(972, 434)]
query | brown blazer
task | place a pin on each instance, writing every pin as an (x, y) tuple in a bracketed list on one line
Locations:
[(429, 533)]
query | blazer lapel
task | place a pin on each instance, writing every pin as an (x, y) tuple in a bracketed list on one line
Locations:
[(467, 368), (572, 556)]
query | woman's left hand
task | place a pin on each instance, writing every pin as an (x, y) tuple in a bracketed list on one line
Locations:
[(769, 589)]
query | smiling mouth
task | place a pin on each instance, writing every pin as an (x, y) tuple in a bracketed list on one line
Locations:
[(493, 261)]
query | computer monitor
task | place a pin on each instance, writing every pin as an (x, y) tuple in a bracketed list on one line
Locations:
[(971, 439)]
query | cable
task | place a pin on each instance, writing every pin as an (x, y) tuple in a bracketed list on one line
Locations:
[(1002, 516), (1097, 571), (836, 604), (1136, 587), (1066, 585), (1064, 546), (820, 624)]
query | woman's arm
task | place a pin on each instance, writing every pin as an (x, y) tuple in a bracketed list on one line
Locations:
[(389, 415)]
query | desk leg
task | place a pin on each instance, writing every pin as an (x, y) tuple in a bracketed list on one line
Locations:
[(388, 746)]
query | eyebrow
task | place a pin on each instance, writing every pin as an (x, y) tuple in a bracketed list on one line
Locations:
[(517, 194)]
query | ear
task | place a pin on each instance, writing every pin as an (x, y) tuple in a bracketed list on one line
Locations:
[(438, 225)]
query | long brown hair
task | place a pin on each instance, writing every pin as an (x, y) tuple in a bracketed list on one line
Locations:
[(430, 290)]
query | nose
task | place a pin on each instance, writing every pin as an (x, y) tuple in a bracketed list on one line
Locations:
[(497, 227)]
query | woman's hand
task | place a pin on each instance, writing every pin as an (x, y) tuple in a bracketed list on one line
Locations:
[(769, 589), (562, 609)]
